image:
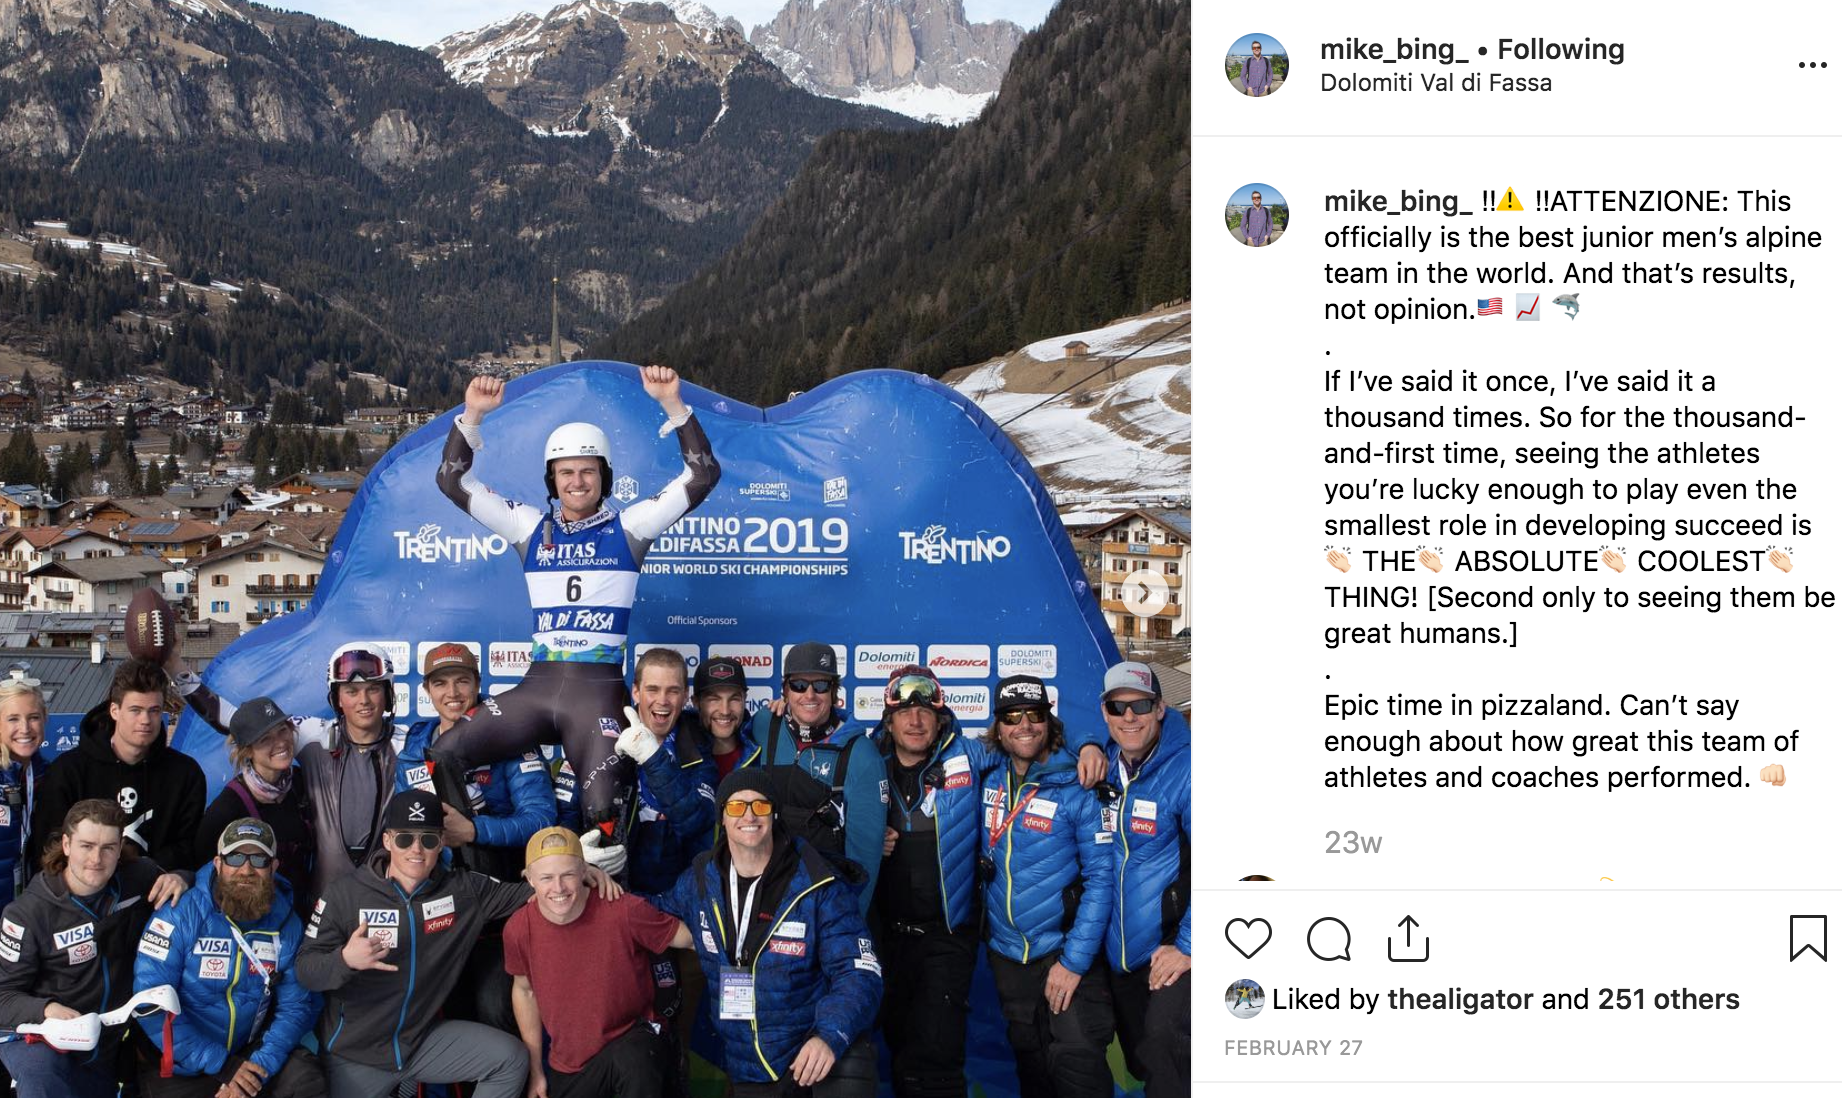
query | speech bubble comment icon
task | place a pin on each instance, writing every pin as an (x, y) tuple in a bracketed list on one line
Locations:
[(1328, 939)]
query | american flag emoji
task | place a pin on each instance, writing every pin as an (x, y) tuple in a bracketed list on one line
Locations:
[(1491, 307)]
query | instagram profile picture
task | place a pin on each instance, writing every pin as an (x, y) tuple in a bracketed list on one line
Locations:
[(1256, 65), (1257, 215), (1245, 998)]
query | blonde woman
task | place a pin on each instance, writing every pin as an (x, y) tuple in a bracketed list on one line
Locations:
[(22, 733), (266, 786)]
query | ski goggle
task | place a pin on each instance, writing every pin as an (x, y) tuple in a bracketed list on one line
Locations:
[(735, 810), (359, 666), (1016, 717), (913, 690), (406, 839), (1141, 706), (260, 861), (809, 686)]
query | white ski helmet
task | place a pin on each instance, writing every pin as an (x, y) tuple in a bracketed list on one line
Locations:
[(359, 662), (573, 440), (576, 440)]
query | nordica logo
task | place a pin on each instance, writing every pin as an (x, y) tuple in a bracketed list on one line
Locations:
[(935, 547), (430, 547)]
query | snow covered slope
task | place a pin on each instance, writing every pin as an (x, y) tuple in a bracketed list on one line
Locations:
[(1120, 433)]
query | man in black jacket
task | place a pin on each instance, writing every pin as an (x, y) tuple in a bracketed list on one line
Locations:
[(67, 949), (386, 945), (122, 756)]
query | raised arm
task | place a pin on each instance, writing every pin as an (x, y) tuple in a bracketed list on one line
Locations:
[(647, 519), (510, 519)]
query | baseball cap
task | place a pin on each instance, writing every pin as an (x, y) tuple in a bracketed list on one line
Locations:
[(451, 654), (811, 658), (720, 671), (253, 720), (413, 810), (552, 840), (1020, 692), (247, 831), (1131, 675)]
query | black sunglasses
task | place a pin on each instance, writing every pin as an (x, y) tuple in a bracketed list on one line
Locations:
[(406, 839), (809, 686), (1141, 706), (260, 861)]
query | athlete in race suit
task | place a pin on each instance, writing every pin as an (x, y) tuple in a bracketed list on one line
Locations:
[(582, 566)]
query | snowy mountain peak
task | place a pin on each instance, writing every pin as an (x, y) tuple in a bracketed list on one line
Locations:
[(919, 57)]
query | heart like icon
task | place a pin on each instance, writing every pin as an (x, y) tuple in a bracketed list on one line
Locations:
[(1253, 936)]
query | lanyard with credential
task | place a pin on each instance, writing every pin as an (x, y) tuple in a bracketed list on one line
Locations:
[(243, 944), (998, 830), (742, 908)]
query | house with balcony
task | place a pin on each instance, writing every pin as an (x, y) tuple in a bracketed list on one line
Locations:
[(273, 573), (93, 585), (13, 570), (1144, 575)]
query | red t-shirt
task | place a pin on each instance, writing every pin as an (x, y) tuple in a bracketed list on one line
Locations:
[(592, 977), (726, 761)]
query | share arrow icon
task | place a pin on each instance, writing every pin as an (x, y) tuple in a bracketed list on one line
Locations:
[(1426, 944)]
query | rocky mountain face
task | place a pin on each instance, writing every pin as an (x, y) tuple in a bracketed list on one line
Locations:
[(75, 70), (620, 147), (602, 64), (874, 50), (679, 92)]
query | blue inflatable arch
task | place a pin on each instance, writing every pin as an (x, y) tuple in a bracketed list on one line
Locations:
[(882, 512)]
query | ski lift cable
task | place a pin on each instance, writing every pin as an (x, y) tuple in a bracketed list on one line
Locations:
[(1110, 363)]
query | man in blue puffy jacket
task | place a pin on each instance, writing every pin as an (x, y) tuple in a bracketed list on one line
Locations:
[(794, 980), (227, 946), (1148, 942), (1047, 862), (927, 893), (828, 777)]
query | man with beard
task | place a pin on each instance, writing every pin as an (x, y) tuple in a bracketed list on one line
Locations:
[(1047, 862), (67, 949), (720, 692), (228, 946)]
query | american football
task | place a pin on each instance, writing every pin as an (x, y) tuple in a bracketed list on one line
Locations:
[(153, 629)]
